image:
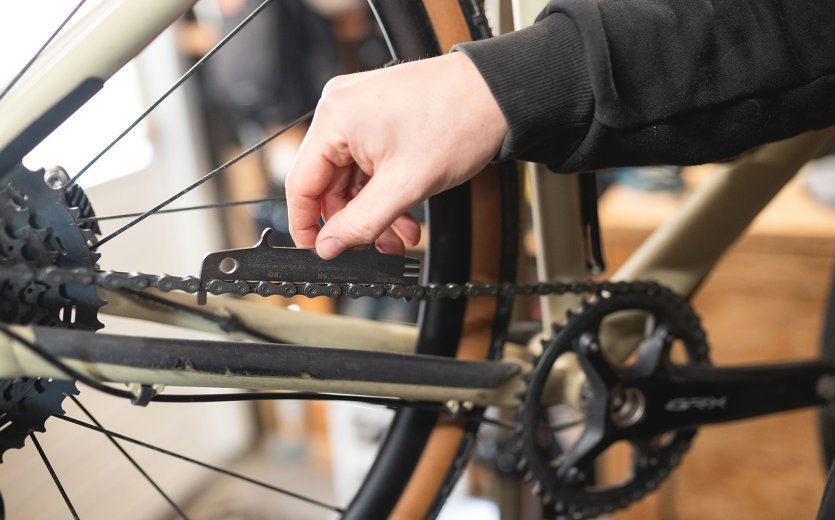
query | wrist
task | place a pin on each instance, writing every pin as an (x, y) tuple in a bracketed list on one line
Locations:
[(481, 105), (540, 79)]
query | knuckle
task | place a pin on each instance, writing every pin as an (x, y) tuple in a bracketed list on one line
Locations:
[(332, 84), (333, 100), (328, 104)]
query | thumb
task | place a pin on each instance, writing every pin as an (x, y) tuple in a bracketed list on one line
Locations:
[(375, 208)]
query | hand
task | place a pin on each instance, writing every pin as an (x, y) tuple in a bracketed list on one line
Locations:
[(383, 141)]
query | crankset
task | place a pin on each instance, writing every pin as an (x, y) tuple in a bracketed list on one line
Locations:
[(653, 404)]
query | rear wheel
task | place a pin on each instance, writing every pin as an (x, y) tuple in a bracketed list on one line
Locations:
[(473, 233)]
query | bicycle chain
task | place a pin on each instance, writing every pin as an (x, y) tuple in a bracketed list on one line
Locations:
[(115, 280)]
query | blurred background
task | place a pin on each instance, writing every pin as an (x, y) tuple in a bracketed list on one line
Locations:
[(268, 76)]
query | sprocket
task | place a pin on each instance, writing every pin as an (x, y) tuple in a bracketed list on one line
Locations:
[(563, 462), (39, 227), (27, 403)]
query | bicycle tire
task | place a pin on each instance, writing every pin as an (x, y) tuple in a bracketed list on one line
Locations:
[(423, 453), (826, 415)]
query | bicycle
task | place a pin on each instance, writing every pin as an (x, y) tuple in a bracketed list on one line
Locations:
[(466, 295)]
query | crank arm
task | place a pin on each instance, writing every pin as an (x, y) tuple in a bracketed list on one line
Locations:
[(691, 396)]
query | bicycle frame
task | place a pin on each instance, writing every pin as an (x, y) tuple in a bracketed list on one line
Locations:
[(680, 254)]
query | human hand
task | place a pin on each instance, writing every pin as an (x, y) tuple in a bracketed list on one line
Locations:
[(384, 140)]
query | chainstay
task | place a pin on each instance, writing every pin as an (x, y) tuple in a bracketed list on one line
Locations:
[(115, 280)]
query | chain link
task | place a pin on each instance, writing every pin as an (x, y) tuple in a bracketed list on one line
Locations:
[(115, 280)]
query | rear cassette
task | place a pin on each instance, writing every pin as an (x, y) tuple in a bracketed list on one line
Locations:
[(39, 228)]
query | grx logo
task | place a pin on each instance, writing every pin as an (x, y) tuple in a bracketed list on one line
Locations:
[(683, 404)]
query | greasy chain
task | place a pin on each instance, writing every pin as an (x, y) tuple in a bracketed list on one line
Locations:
[(115, 280)]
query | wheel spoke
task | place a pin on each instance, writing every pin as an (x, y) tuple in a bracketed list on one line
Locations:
[(130, 459), (43, 47), (202, 464), (202, 61), (190, 208), (212, 174), (54, 475)]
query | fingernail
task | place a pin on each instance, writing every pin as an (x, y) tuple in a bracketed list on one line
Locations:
[(330, 248)]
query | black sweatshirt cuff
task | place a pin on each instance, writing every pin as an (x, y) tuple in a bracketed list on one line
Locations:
[(540, 79)]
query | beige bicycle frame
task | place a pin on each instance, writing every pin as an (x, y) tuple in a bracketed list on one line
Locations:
[(680, 254)]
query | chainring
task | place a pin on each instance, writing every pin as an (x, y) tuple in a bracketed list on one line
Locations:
[(39, 228), (570, 490)]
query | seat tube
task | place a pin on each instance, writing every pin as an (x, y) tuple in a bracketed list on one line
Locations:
[(557, 228), (557, 219)]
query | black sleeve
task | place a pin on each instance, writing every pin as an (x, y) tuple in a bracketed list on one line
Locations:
[(599, 83)]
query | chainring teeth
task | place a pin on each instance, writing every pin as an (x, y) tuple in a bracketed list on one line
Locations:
[(578, 502)]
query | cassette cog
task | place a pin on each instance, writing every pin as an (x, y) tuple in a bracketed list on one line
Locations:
[(39, 227)]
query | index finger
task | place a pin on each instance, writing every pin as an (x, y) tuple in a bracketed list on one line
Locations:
[(309, 177)]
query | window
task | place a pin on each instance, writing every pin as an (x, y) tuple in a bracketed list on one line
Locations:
[(24, 26)]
